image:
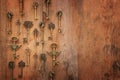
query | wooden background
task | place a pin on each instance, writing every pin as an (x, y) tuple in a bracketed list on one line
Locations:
[(89, 43)]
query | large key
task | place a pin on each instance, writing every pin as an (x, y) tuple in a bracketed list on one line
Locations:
[(21, 65), (11, 65), (9, 28)]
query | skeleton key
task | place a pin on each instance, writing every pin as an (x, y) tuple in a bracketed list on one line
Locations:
[(18, 23), (47, 2), (15, 47), (35, 6), (51, 27), (36, 33), (9, 16), (28, 52), (21, 7), (59, 15), (42, 26), (21, 64), (11, 65), (28, 25)]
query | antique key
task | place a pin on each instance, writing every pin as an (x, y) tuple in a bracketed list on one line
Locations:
[(21, 64), (36, 34), (21, 7), (28, 25), (47, 2), (51, 27), (35, 6), (10, 17), (42, 26), (18, 23), (15, 47), (11, 65), (59, 15), (28, 52), (54, 53), (43, 59)]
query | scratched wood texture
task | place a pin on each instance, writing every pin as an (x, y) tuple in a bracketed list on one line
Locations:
[(89, 43)]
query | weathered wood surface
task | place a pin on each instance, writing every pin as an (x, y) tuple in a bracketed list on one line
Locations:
[(89, 43)]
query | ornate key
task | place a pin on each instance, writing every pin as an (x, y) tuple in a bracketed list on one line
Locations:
[(14, 46), (10, 17), (35, 6), (28, 52), (47, 2), (36, 34), (21, 65), (21, 7), (59, 15), (18, 23), (54, 54), (51, 27), (11, 65), (28, 25)]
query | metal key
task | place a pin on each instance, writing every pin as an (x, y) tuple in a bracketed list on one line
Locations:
[(18, 23), (11, 65), (28, 52), (21, 65), (10, 17), (47, 2), (51, 27), (59, 15), (35, 6)]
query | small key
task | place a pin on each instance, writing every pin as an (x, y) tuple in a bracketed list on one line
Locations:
[(21, 65)]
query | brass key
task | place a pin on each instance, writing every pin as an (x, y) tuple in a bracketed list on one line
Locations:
[(28, 52), (18, 23), (21, 65), (14, 46), (11, 65), (51, 27), (28, 25), (36, 34), (59, 15), (35, 6), (10, 17), (21, 7), (47, 2)]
